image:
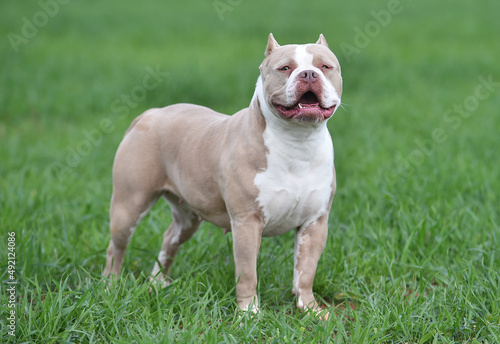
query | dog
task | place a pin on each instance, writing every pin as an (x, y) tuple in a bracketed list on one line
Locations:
[(263, 171)]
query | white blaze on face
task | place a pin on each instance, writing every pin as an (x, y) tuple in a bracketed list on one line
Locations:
[(304, 61)]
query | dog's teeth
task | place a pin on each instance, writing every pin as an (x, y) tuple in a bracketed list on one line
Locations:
[(300, 106)]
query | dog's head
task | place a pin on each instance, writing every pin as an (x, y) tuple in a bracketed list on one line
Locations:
[(300, 83)]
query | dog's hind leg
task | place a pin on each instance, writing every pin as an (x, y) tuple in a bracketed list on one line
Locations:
[(185, 222), (125, 215), (139, 179)]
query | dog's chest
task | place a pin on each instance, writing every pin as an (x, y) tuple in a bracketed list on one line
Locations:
[(296, 186)]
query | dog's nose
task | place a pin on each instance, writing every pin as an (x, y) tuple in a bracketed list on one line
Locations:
[(308, 76)]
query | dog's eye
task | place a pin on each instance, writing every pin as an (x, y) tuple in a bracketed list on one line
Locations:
[(326, 67), (285, 68)]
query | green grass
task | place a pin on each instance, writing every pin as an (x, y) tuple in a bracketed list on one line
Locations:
[(413, 253)]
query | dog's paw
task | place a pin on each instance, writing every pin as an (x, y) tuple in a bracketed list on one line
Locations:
[(322, 314), (248, 306), (249, 314), (158, 283), (314, 309), (318, 312), (250, 309), (110, 281)]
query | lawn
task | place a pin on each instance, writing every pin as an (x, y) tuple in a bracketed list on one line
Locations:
[(413, 252)]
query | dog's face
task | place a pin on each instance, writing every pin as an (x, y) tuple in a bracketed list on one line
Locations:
[(301, 83)]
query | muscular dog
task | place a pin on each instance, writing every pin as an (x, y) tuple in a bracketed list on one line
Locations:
[(263, 171)]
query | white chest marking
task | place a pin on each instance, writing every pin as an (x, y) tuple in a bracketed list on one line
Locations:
[(296, 187)]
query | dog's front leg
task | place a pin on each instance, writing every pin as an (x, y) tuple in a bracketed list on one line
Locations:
[(309, 243), (247, 237)]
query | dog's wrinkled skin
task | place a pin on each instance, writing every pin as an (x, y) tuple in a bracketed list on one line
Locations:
[(264, 171)]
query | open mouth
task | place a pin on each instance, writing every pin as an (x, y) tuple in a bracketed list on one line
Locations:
[(307, 108)]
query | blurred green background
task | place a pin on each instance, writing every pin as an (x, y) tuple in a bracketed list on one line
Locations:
[(416, 146)]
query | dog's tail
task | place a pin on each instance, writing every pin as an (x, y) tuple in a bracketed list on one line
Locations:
[(138, 119), (134, 122)]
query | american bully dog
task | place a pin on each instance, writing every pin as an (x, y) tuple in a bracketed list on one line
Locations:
[(264, 171)]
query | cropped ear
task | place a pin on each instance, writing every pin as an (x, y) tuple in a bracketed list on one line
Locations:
[(271, 44), (322, 40)]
